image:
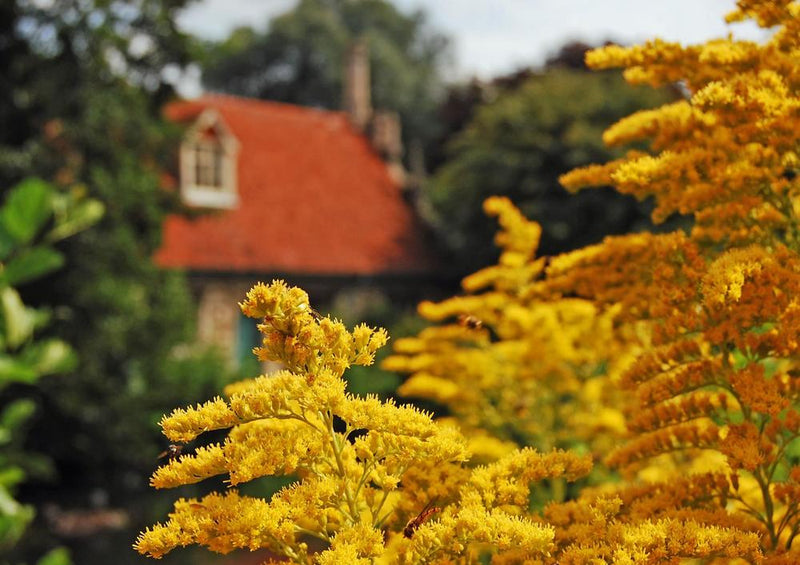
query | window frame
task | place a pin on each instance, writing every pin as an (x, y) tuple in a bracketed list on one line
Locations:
[(224, 147)]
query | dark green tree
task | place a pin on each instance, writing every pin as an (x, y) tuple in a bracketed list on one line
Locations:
[(517, 145), (82, 83), (300, 57)]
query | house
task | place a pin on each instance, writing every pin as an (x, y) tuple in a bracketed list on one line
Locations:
[(312, 196)]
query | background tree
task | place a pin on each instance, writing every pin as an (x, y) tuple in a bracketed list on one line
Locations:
[(536, 128), (455, 111), (461, 99), (82, 85), (299, 59)]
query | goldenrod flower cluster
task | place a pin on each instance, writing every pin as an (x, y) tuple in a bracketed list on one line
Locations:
[(711, 456), (674, 357), (514, 370), (368, 471), (714, 426)]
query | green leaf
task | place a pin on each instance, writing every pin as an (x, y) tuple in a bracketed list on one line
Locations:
[(14, 518), (58, 556), (41, 317), (39, 466), (15, 371), (11, 476), (19, 320), (16, 413), (49, 356), (793, 450), (31, 264), (27, 208), (78, 218), (7, 242)]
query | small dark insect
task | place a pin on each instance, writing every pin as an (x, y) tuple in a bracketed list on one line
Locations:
[(172, 452), (789, 174), (470, 321), (420, 519), (314, 314)]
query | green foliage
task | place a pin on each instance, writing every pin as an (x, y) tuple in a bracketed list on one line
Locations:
[(59, 556), (27, 210), (81, 106), (300, 59), (58, 54), (29, 216), (518, 145), (90, 117)]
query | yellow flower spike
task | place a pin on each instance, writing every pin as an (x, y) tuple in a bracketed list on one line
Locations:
[(766, 14), (342, 553), (184, 425), (727, 275), (284, 394), (666, 125), (508, 480), (425, 385), (361, 336), (454, 532), (664, 539), (309, 499), (362, 541), (259, 449), (203, 463), (593, 175), (222, 523), (300, 338)]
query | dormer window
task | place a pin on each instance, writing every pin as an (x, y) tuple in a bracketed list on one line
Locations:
[(208, 164)]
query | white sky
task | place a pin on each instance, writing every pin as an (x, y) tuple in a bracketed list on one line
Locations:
[(492, 37)]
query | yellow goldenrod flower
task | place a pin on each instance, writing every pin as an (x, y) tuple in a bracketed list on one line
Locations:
[(699, 325)]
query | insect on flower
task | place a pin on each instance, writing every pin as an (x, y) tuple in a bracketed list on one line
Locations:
[(420, 519), (314, 314), (470, 321), (172, 452)]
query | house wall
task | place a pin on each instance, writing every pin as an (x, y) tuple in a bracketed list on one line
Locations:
[(218, 314)]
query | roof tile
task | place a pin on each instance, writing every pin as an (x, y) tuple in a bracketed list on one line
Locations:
[(314, 198)]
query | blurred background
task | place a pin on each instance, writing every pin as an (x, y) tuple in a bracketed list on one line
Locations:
[(158, 157)]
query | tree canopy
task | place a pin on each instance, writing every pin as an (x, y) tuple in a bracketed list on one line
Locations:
[(299, 58), (83, 83), (517, 145)]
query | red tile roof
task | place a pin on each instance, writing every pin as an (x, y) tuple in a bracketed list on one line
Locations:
[(314, 198)]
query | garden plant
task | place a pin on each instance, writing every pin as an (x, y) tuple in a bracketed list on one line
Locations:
[(34, 216), (635, 401)]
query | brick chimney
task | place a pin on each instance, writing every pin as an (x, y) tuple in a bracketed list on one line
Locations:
[(381, 127), (387, 140), (356, 98)]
